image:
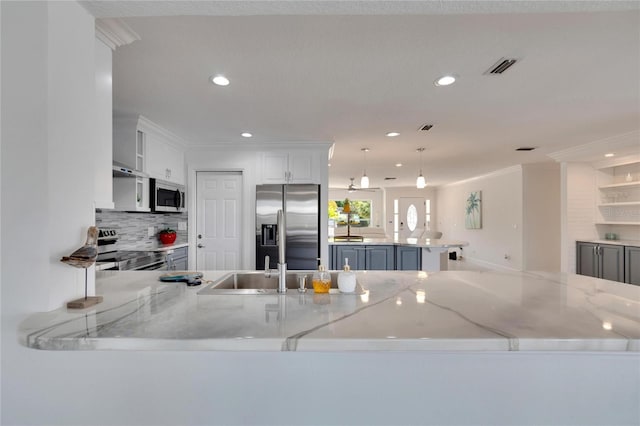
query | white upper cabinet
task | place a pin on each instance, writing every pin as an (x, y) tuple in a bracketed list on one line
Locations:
[(164, 153), (146, 147), (164, 161), (129, 149), (289, 167), (143, 145), (128, 143)]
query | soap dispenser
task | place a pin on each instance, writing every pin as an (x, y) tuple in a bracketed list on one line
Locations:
[(321, 280), (346, 279)]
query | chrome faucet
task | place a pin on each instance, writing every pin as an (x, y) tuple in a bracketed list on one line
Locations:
[(282, 263)]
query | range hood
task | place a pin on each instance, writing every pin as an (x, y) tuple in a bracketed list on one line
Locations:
[(121, 170)]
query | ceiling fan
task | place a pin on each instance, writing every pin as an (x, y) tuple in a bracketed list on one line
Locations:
[(352, 187)]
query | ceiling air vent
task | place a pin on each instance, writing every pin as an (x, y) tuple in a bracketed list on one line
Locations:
[(389, 178), (426, 127), (501, 66), (525, 148)]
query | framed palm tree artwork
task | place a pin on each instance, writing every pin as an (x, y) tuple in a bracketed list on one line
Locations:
[(473, 212)]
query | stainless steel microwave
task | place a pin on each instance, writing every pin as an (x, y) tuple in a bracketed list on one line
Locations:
[(166, 197)]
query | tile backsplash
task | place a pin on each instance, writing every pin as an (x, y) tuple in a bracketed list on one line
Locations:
[(133, 228)]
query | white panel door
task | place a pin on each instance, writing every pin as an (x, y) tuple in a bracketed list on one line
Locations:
[(218, 220), (411, 217)]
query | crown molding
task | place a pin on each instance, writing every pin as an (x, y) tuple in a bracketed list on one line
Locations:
[(114, 32), (618, 161), (265, 146), (149, 126), (591, 150)]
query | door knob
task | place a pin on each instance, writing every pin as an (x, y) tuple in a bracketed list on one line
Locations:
[(200, 246)]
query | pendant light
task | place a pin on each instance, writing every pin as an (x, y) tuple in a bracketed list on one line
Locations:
[(420, 182), (364, 181)]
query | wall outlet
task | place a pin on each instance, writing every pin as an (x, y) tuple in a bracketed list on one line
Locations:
[(151, 231), (182, 226)]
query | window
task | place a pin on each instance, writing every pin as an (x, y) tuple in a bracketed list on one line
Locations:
[(360, 212), (412, 217), (427, 224)]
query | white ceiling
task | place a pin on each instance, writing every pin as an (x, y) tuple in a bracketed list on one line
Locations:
[(352, 77)]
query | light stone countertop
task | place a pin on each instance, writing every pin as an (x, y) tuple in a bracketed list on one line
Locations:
[(400, 311), (156, 246), (631, 243), (413, 242)]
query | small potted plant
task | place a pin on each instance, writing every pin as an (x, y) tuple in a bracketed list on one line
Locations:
[(167, 236)]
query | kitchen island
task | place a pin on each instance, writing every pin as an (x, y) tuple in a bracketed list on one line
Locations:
[(398, 311), (426, 254)]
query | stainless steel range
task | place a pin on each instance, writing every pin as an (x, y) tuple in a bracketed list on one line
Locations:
[(109, 258)]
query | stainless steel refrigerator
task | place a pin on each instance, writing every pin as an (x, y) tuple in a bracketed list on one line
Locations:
[(301, 206)]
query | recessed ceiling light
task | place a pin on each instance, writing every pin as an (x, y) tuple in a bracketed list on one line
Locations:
[(393, 134), (610, 154), (246, 135), (445, 80), (398, 164), (220, 80)]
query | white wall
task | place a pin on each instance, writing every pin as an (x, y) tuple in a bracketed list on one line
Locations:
[(102, 134), (48, 108), (578, 210), (541, 217), (501, 233)]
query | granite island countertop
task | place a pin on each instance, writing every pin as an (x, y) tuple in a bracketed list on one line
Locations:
[(400, 311)]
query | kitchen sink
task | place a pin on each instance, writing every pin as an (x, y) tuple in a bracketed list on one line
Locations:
[(256, 282)]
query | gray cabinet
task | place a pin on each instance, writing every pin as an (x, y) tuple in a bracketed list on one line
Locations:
[(362, 257), (632, 265), (177, 259), (600, 260), (586, 260), (379, 258), (353, 253), (408, 258)]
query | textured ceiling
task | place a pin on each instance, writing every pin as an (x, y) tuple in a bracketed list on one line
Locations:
[(351, 78)]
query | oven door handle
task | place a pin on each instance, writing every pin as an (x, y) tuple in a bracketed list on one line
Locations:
[(150, 266)]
